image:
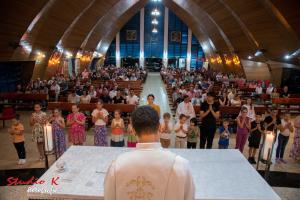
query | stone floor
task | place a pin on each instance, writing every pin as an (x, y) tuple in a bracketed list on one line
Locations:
[(154, 85)]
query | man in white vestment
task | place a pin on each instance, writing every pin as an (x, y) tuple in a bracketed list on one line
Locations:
[(148, 172), (186, 108)]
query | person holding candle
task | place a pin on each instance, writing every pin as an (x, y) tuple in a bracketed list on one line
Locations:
[(117, 130), (58, 125), (17, 132), (76, 121), (286, 128), (100, 118), (243, 127), (37, 121), (256, 131), (295, 150)]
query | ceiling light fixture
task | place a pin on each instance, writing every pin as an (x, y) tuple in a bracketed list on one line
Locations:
[(154, 21), (154, 30)]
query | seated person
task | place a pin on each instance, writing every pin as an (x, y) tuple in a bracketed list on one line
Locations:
[(85, 98), (73, 98), (118, 98), (236, 101), (156, 171)]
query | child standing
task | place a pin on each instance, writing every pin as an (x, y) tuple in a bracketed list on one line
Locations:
[(286, 128), (165, 130), (257, 128), (193, 134), (224, 135), (181, 130), (16, 130), (243, 127), (132, 138), (117, 130)]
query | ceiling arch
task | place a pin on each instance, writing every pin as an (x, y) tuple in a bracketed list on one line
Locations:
[(225, 26)]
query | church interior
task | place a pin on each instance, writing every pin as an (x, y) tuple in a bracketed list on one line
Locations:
[(222, 75)]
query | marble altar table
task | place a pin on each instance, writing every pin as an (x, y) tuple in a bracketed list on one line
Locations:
[(217, 174)]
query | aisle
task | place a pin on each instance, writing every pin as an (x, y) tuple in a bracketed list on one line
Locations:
[(154, 85)]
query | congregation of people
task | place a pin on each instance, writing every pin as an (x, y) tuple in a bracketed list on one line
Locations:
[(189, 128)]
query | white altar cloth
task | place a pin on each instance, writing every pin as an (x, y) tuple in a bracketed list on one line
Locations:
[(217, 174)]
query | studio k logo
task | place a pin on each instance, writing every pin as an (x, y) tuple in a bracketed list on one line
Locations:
[(13, 181)]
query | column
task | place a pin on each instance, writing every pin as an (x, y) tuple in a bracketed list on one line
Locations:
[(166, 33), (189, 50), (142, 34), (118, 57)]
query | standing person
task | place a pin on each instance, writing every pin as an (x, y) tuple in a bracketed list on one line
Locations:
[(193, 134), (17, 132), (100, 118), (165, 130), (117, 130), (224, 135), (181, 129), (257, 128), (131, 138), (76, 121), (295, 150), (272, 121), (210, 112), (58, 125), (286, 128), (37, 121), (150, 100), (250, 109), (243, 127), (156, 172), (186, 108)]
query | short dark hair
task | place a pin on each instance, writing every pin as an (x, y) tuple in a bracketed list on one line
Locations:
[(167, 115), (194, 120), (211, 94), (181, 116), (145, 119), (185, 96), (150, 95)]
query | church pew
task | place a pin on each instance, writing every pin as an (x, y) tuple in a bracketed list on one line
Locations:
[(286, 101), (24, 96)]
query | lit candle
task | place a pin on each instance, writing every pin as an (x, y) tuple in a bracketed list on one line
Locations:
[(269, 139), (48, 137)]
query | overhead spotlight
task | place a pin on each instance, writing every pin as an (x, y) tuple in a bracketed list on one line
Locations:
[(259, 52), (154, 30), (287, 57), (250, 57), (154, 21), (156, 0), (68, 54), (155, 12)]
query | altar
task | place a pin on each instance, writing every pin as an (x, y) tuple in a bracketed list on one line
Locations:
[(217, 174)]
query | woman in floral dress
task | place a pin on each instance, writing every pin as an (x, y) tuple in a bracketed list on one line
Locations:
[(37, 122), (295, 151), (76, 121), (58, 125), (100, 118)]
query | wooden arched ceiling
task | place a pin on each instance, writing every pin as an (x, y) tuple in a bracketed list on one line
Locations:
[(226, 25), (15, 17)]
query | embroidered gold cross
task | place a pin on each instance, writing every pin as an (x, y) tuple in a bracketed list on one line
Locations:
[(140, 193)]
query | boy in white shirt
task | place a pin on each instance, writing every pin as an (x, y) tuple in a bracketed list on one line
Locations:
[(148, 171), (181, 129), (165, 130)]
